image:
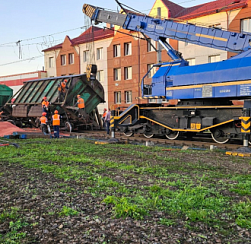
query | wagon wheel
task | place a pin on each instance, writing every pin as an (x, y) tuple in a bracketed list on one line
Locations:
[(219, 136), (172, 135), (128, 133), (19, 124), (148, 134), (11, 121), (68, 126)]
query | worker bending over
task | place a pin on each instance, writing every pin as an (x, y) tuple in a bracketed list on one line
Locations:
[(55, 119), (62, 86), (44, 122), (45, 106)]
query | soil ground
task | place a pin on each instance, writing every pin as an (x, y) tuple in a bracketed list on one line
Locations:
[(73, 191)]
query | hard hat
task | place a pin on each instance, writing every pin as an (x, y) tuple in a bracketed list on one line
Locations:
[(105, 109), (45, 98), (55, 112), (65, 80), (43, 113)]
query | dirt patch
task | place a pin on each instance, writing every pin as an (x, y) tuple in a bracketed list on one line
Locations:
[(7, 128), (54, 193)]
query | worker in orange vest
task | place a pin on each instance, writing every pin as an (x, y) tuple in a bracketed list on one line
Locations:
[(45, 106), (43, 121), (103, 117), (56, 123), (62, 86), (81, 105)]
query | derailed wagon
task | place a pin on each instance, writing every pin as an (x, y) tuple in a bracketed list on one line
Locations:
[(26, 109)]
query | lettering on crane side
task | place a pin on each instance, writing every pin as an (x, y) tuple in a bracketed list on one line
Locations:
[(245, 90), (225, 91), (158, 27), (150, 26)]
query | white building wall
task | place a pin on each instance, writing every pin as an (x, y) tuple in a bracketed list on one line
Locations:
[(200, 53), (101, 64), (51, 71)]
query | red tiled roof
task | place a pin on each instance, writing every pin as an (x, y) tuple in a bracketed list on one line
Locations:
[(210, 8), (92, 34), (173, 8)]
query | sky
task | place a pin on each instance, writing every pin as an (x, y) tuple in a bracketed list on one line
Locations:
[(30, 26)]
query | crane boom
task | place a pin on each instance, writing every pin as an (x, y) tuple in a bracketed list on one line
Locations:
[(159, 30)]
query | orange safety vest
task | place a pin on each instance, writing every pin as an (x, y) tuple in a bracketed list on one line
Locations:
[(43, 120), (61, 88), (55, 119), (46, 104), (104, 114), (81, 103)]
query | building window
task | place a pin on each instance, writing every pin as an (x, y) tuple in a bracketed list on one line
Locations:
[(150, 44), (117, 97), (214, 58), (86, 56), (128, 73), (152, 72), (246, 25), (51, 62), (116, 51), (159, 12), (191, 61), (99, 53), (71, 58), (128, 48), (63, 59), (117, 74), (128, 96), (100, 75)]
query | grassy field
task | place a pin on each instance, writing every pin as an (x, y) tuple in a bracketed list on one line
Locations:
[(73, 191)]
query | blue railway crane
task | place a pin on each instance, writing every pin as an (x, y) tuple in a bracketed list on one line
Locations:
[(205, 92)]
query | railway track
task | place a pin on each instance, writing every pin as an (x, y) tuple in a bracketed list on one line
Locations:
[(202, 142)]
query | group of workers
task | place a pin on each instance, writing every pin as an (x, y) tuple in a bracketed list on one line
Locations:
[(55, 119)]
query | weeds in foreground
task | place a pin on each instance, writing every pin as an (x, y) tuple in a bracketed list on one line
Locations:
[(143, 181), (14, 236), (67, 211)]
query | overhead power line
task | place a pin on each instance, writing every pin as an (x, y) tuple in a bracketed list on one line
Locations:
[(19, 61), (29, 39)]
